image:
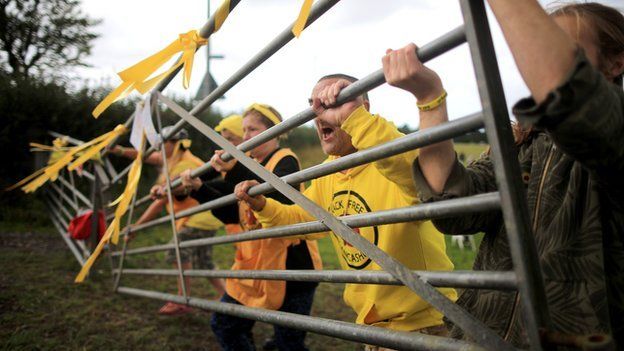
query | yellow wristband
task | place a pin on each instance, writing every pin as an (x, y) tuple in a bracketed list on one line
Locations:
[(434, 103)]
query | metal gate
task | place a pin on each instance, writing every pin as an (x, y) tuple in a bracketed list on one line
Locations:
[(510, 199)]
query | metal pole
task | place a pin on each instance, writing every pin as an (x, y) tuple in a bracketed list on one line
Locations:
[(165, 170), (437, 47), (455, 279), (409, 142), (63, 196), (127, 232), (66, 238), (470, 324), (68, 215), (71, 185), (513, 194), (343, 330), (55, 214), (423, 211), (319, 8), (95, 189)]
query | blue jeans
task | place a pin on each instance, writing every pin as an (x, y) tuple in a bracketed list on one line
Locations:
[(234, 333)]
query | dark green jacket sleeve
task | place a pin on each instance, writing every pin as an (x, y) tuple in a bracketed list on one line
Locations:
[(585, 118), (477, 178)]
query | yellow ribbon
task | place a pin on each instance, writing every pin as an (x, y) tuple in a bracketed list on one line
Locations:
[(136, 77), (94, 151), (302, 19), (86, 151), (122, 202)]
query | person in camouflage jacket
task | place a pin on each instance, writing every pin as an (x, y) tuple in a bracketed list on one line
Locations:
[(572, 163)]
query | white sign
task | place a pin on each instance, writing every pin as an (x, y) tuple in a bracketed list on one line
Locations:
[(142, 123)]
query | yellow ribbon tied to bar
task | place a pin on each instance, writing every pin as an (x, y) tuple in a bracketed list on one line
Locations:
[(136, 77), (122, 202), (84, 152), (94, 150), (302, 19)]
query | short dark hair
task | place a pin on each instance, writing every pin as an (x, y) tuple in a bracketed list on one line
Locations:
[(345, 77)]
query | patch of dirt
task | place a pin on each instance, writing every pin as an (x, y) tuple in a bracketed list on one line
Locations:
[(31, 241)]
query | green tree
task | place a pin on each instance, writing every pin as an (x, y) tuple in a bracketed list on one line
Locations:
[(43, 37)]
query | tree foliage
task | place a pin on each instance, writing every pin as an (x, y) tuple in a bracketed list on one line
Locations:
[(43, 37)]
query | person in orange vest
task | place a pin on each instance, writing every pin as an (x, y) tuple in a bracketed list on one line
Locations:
[(234, 333), (197, 226)]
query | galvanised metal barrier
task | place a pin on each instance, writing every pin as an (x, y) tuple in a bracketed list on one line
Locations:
[(510, 199)]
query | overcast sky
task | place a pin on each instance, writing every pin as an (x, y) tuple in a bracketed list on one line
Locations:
[(350, 38)]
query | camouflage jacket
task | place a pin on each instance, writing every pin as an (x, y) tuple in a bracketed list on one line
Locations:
[(573, 170)]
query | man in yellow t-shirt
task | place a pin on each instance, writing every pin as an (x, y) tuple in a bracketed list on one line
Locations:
[(381, 185)]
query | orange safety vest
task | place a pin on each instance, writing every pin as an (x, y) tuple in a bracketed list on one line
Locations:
[(265, 254)]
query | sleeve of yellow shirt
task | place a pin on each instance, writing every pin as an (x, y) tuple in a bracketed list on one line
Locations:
[(276, 214), (367, 130)]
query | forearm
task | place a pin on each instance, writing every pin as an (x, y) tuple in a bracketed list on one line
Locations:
[(152, 211), (543, 52), (436, 161)]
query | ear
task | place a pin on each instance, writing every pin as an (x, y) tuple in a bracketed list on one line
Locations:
[(615, 66)]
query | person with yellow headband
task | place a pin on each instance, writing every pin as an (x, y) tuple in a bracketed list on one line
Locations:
[(197, 226), (234, 333), (382, 185)]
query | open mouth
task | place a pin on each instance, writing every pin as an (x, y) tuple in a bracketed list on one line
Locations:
[(326, 133)]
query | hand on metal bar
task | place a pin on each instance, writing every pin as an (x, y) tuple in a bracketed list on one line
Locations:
[(257, 202)]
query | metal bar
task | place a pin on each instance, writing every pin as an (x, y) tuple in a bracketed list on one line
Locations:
[(319, 8), (513, 194), (95, 191), (103, 178), (125, 244), (64, 196), (165, 170), (343, 330), (88, 175), (66, 238), (455, 279), (69, 139), (205, 32), (63, 223), (425, 211), (470, 324), (428, 52), (71, 185), (109, 167), (58, 203), (409, 142)]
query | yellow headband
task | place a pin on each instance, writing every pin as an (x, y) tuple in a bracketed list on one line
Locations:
[(265, 111), (233, 123)]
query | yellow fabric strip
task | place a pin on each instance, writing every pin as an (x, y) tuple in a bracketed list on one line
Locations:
[(25, 180), (98, 250), (136, 76), (42, 147), (95, 149), (302, 19), (92, 147), (122, 202)]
